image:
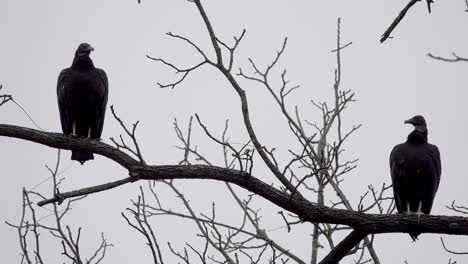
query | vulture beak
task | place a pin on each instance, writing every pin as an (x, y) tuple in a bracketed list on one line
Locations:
[(409, 121)]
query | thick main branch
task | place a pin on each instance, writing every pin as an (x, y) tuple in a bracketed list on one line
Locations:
[(366, 223)]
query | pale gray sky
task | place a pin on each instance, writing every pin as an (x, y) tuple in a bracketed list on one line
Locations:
[(393, 81)]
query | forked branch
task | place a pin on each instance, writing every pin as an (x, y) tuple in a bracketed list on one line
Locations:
[(455, 58), (4, 98)]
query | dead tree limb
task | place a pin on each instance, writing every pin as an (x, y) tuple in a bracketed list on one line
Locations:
[(345, 246), (367, 223), (397, 20), (4, 98), (455, 58)]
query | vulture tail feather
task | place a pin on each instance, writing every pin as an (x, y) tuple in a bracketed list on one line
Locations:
[(82, 156), (414, 235)]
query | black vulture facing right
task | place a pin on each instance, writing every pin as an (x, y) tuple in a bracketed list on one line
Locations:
[(415, 168), (82, 93)]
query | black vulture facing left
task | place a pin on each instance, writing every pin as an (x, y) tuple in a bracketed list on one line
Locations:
[(415, 168), (82, 93)]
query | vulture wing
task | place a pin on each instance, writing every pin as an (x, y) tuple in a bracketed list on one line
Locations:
[(103, 90), (397, 171), (64, 101), (435, 156)]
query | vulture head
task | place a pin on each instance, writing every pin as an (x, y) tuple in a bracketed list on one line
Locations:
[(84, 49), (418, 122)]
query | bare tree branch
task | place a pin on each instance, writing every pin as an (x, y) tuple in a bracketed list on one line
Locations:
[(458, 208), (122, 144), (367, 223), (397, 20), (344, 247), (142, 225), (451, 251), (4, 98), (250, 214), (245, 109), (319, 155), (68, 240), (86, 191), (455, 58)]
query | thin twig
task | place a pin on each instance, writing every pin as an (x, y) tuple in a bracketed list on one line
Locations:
[(451, 251), (455, 58)]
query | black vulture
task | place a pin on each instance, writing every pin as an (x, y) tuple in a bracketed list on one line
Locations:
[(82, 93), (415, 168)]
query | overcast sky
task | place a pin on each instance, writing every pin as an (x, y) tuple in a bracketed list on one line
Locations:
[(393, 81)]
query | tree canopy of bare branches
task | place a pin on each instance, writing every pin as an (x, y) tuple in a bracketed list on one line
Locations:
[(315, 168)]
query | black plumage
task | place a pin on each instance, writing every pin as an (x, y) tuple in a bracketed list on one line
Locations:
[(82, 92), (415, 168)]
